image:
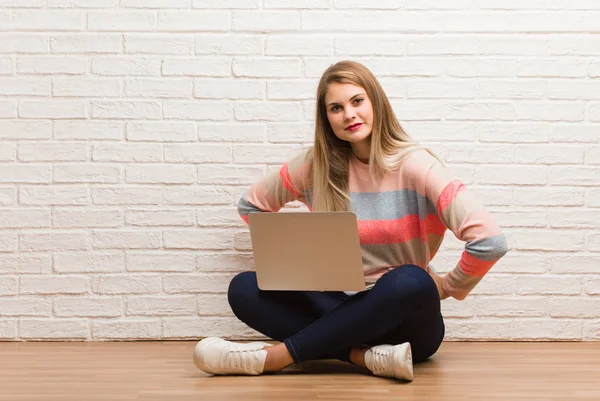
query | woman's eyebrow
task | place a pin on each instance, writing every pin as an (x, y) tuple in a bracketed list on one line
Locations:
[(358, 94)]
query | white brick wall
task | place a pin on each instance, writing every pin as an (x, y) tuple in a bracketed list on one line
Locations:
[(129, 129)]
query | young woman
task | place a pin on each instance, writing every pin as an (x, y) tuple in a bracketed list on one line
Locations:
[(404, 200)]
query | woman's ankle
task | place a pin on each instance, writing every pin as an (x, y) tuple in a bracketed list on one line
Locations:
[(357, 356), (278, 358)]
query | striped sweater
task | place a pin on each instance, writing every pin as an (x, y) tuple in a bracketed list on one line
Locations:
[(402, 219)]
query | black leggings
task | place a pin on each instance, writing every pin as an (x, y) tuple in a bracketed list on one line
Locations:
[(403, 306)]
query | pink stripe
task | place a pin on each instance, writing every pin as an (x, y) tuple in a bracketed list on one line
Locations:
[(449, 194), (399, 230), (473, 266), (287, 180), (245, 218)]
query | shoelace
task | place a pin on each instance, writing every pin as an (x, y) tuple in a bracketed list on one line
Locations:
[(239, 358), (380, 360)]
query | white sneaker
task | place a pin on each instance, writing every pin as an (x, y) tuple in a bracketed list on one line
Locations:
[(220, 357), (391, 361)]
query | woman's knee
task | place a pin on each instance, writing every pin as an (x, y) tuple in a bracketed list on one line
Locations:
[(241, 288), (409, 281)]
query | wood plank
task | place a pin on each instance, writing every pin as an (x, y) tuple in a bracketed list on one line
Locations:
[(164, 371)]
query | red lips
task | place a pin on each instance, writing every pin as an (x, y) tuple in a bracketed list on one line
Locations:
[(353, 127)]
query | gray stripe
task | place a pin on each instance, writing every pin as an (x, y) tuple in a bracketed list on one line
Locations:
[(391, 205), (488, 249), (245, 207)]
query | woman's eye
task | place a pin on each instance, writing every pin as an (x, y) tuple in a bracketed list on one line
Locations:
[(358, 100), (335, 108)]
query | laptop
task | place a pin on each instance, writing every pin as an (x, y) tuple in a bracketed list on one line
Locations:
[(307, 251)]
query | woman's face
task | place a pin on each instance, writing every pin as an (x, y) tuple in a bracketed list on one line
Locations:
[(350, 112)]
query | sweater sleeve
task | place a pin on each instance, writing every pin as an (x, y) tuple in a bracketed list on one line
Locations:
[(465, 216), (277, 188)]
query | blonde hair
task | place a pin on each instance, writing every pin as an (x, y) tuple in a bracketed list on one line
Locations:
[(330, 156)]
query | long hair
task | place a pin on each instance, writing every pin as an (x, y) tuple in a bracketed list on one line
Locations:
[(330, 156)]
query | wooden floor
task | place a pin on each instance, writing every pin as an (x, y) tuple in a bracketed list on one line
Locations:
[(164, 371)]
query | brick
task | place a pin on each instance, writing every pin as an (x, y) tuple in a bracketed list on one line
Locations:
[(592, 286), (548, 196), (511, 175), (277, 154), (159, 44), (127, 152), (161, 306), (592, 155), (82, 3), (55, 20), (30, 218), (158, 218), (503, 22), (9, 286), (161, 131), (86, 218), (159, 4), (213, 305), (199, 283), (127, 195), (209, 21), (39, 65), (580, 307), (20, 306), (548, 240), (593, 242), (53, 151), (464, 308), (574, 175), (24, 87), (222, 262), (232, 4), (291, 90), (545, 329), (9, 242), (229, 175), (126, 239), (127, 329), (124, 285), (8, 329), (25, 173), (259, 67), (55, 195), (8, 109), (86, 87), (88, 130), (219, 217), (234, 89), (568, 90), (86, 43), (87, 307), (269, 111), (306, 45), (548, 285), (202, 67), (54, 241), (389, 21), (512, 307), (89, 262), (159, 88), (89, 173), (291, 4), (23, 43), (591, 330), (574, 264), (480, 111), (127, 110), (232, 132), (521, 89), (126, 66), (265, 21), (489, 154), (198, 153), (572, 218), (200, 195), (290, 132), (54, 329), (548, 154), (161, 262), (521, 218), (8, 196), (160, 174), (232, 44), (8, 152), (210, 110), (209, 239), (555, 111), (50, 285), (25, 264), (119, 21), (52, 109), (6, 66)]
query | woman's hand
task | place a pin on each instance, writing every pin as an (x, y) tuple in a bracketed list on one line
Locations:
[(438, 282)]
